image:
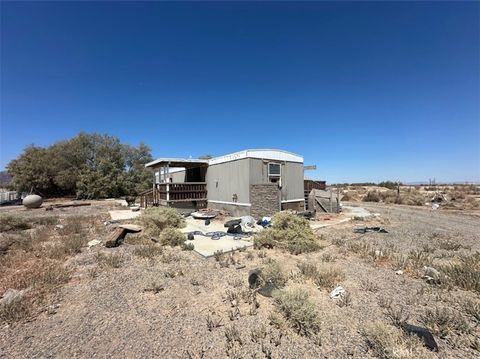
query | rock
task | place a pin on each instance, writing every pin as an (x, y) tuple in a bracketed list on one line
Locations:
[(337, 293), (10, 295), (59, 226), (94, 242), (32, 201)]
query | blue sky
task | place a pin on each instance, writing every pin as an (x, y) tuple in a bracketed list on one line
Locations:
[(366, 91)]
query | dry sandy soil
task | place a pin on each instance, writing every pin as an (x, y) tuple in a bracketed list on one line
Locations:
[(169, 303)]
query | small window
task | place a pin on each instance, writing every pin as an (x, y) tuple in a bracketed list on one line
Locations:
[(274, 170)]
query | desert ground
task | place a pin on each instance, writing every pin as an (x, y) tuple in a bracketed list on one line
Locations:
[(142, 299)]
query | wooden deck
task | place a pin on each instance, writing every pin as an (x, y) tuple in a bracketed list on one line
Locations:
[(166, 194)]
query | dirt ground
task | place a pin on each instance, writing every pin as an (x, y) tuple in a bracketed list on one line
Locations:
[(122, 302)]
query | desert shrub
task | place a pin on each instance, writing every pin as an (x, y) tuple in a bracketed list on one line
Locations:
[(472, 308), (69, 245), (308, 269), (172, 237), (114, 260), (389, 184), (188, 246), (289, 232), (328, 278), (466, 273), (443, 321), (12, 223), (46, 220), (148, 251), (296, 307), (372, 196), (154, 220), (392, 343), (273, 274), (323, 278), (17, 309)]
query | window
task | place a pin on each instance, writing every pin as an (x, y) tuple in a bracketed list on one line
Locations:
[(274, 170)]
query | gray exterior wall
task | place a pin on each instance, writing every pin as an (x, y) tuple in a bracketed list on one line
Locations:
[(228, 178), (292, 177), (236, 177)]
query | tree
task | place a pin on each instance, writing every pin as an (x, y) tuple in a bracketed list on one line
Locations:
[(87, 166)]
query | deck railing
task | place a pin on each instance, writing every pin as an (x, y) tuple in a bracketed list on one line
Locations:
[(166, 193)]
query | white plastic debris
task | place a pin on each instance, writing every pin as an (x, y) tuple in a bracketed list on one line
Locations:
[(435, 206), (59, 226), (399, 272), (94, 242), (337, 293)]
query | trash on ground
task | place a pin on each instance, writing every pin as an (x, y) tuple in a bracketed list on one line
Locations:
[(265, 222), (256, 282), (59, 226), (94, 242), (337, 293), (203, 215), (399, 272), (370, 229), (423, 333)]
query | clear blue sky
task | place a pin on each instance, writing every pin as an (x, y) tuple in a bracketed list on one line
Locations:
[(366, 91)]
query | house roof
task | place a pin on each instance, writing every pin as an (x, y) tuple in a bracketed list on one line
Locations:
[(177, 162), (267, 154)]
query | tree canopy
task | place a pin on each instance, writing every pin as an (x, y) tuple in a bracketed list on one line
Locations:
[(87, 166)]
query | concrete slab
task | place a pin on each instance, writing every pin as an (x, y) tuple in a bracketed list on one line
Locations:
[(352, 212), (122, 215), (207, 246)]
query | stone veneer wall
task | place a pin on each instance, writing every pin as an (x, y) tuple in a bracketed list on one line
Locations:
[(264, 199)]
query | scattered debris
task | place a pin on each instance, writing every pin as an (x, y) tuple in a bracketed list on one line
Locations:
[(431, 275), (53, 309), (370, 229), (203, 215), (131, 227), (59, 226), (116, 237), (32, 201), (337, 293), (94, 242), (256, 282), (399, 272), (422, 333), (435, 206)]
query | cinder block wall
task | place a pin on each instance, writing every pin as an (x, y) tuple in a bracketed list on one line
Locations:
[(264, 199)]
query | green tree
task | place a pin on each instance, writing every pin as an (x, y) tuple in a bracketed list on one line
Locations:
[(88, 166)]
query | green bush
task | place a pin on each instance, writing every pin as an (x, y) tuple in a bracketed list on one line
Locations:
[(289, 232), (298, 310), (154, 220), (172, 237)]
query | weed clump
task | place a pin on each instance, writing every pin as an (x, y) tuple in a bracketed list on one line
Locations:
[(391, 343), (289, 232), (296, 307), (12, 223), (154, 220), (148, 251), (466, 273), (172, 237), (273, 274)]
